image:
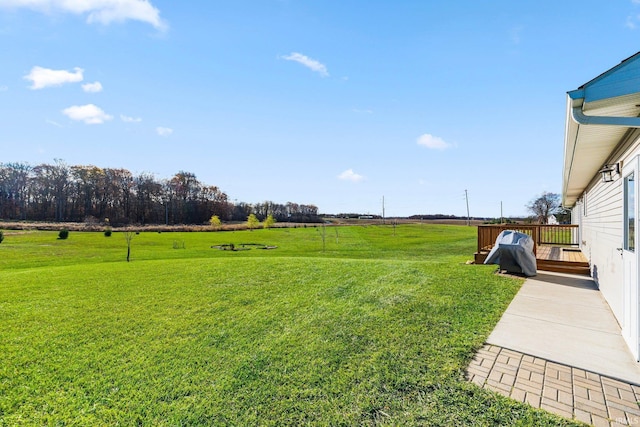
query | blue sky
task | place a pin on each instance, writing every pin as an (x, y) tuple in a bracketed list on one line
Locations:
[(332, 103)]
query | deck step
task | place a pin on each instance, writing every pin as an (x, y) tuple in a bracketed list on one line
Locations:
[(580, 268), (479, 257)]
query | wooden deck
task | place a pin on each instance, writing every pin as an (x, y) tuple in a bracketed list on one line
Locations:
[(555, 246), (560, 253), (560, 259)]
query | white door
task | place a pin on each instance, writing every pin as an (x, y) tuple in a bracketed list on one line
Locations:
[(630, 250)]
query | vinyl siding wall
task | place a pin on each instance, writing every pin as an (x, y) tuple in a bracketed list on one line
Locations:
[(599, 212)]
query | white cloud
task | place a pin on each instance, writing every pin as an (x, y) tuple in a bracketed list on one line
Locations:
[(51, 122), (90, 114), (632, 21), (102, 11), (162, 131), (433, 142), (4, 88), (44, 77), (92, 87), (350, 175), (312, 64), (128, 119)]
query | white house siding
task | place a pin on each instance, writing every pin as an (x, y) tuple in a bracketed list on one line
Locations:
[(601, 232)]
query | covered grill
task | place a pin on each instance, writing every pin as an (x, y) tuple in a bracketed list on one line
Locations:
[(513, 252)]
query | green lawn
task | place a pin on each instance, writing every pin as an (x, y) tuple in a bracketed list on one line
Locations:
[(374, 329)]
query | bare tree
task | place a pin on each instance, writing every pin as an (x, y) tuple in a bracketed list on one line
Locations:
[(128, 236), (14, 190), (544, 206), (148, 193), (52, 185)]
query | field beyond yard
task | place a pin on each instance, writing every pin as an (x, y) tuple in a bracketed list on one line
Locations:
[(375, 325)]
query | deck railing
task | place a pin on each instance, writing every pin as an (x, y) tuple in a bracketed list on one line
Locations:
[(564, 234)]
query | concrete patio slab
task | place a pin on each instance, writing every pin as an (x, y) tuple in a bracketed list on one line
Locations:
[(565, 319), (558, 347)]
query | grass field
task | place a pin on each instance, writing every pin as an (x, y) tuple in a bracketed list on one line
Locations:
[(375, 328)]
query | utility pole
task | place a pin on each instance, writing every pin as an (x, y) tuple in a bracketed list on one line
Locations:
[(466, 196), (501, 216), (383, 209)]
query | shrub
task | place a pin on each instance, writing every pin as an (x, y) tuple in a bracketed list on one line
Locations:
[(1, 236), (107, 232), (269, 221), (63, 234), (215, 222), (252, 222)]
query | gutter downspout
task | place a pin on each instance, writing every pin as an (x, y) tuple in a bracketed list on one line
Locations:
[(579, 117), (577, 102)]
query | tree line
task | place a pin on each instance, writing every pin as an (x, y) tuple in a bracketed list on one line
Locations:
[(60, 192)]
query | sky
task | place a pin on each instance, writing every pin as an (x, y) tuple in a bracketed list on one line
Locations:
[(341, 104)]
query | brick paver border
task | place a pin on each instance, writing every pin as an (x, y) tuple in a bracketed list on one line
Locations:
[(564, 390)]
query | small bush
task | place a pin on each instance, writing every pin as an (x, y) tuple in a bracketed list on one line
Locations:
[(107, 232), (1, 236), (63, 234)]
